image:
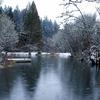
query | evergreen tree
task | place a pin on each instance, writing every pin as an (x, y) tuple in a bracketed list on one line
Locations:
[(49, 28), (32, 26), (56, 27), (17, 18), (19, 22), (8, 11)]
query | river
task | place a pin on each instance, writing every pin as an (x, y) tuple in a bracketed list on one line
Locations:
[(50, 78)]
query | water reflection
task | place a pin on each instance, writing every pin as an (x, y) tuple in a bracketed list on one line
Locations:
[(49, 84), (30, 74), (50, 78), (6, 82), (78, 80)]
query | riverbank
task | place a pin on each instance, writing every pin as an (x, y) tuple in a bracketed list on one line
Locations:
[(33, 54), (23, 57)]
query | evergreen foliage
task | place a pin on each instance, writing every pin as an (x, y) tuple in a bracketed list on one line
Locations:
[(32, 25), (30, 29), (49, 28)]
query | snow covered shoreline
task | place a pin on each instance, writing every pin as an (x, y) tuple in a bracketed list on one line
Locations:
[(23, 57), (33, 54)]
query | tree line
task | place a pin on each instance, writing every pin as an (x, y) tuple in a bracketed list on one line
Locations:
[(80, 33), (29, 31)]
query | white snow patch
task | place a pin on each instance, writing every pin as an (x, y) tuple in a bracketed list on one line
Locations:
[(19, 59), (33, 54), (64, 55), (45, 53)]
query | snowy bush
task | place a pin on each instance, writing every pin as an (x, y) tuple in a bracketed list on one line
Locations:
[(8, 35)]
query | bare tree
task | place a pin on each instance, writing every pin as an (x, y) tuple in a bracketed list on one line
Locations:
[(76, 38), (72, 8)]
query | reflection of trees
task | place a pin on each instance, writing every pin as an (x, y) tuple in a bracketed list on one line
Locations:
[(30, 74), (97, 78), (7, 77), (49, 65), (76, 77)]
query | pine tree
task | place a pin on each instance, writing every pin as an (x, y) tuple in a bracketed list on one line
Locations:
[(8, 11), (32, 26), (17, 18), (49, 28)]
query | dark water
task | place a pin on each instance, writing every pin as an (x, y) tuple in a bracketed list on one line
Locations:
[(50, 78)]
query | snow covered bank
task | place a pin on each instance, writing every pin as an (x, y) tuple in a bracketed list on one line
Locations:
[(33, 54), (64, 55), (19, 59)]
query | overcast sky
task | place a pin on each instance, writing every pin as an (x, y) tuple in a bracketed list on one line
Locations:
[(48, 8)]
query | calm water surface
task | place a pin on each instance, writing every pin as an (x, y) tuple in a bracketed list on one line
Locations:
[(50, 78)]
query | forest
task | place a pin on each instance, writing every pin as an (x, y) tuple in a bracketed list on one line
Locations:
[(24, 30), (43, 59)]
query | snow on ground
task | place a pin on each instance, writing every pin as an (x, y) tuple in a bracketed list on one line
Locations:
[(18, 54), (33, 54), (45, 53), (19, 59), (64, 55)]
